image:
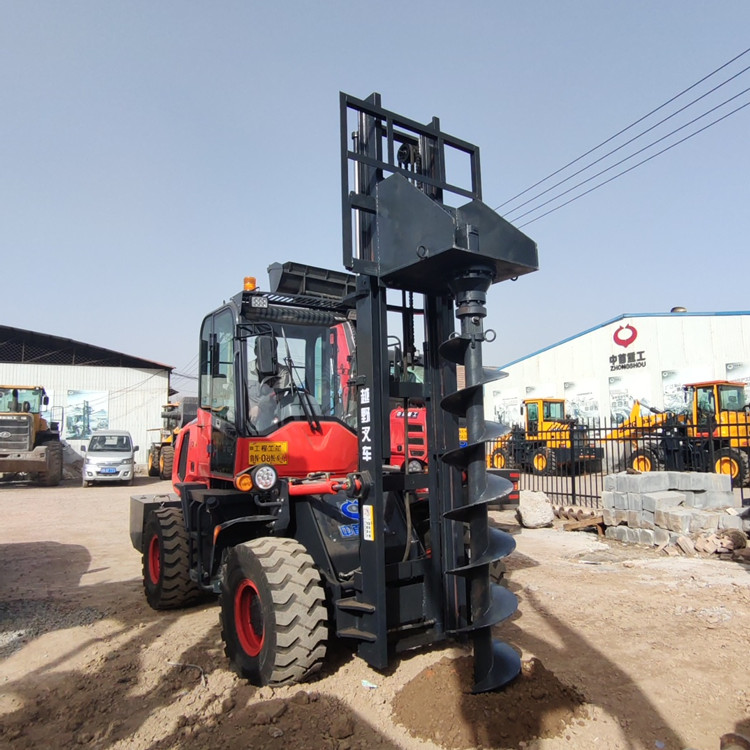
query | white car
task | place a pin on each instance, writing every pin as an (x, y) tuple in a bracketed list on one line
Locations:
[(109, 457)]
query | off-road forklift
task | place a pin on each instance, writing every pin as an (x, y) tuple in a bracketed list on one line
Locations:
[(286, 502)]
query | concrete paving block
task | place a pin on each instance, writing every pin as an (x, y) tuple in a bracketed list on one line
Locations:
[(678, 520), (634, 501), (608, 499), (610, 482), (608, 517), (694, 499), (653, 481), (689, 480), (616, 532), (662, 500), (716, 482), (631, 535), (621, 517), (620, 500), (702, 520), (661, 536), (645, 536), (727, 521), (634, 518), (647, 520), (660, 518), (719, 499)]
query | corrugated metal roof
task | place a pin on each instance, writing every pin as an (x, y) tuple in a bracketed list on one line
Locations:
[(30, 347)]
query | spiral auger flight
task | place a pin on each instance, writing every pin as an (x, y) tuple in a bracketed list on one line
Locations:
[(495, 663)]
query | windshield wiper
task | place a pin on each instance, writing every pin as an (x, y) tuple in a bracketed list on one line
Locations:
[(302, 393)]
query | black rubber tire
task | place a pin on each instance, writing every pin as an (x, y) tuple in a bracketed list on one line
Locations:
[(543, 461), (166, 461), (643, 460), (274, 621), (52, 476), (153, 462), (733, 462), (501, 459), (166, 561)]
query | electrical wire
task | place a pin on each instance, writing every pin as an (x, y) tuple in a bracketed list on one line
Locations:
[(640, 151), (630, 169), (628, 142), (625, 129)]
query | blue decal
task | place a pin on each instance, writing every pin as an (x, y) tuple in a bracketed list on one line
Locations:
[(349, 531), (351, 509)]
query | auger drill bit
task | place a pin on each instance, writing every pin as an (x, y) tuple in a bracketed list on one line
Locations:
[(495, 663)]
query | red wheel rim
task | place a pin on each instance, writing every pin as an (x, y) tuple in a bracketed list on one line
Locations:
[(154, 560), (248, 618)]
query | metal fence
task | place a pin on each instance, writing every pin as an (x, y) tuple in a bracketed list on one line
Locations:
[(569, 463)]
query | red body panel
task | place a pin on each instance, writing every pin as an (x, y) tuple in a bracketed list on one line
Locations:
[(333, 450)]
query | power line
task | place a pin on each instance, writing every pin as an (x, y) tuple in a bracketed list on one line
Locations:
[(630, 169), (625, 129), (631, 140)]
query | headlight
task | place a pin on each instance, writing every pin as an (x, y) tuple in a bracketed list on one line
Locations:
[(415, 466), (264, 477)]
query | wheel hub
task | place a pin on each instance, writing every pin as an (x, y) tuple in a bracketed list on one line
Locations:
[(248, 618)]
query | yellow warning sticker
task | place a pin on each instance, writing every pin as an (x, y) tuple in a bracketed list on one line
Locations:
[(463, 434), (268, 453), (368, 523)]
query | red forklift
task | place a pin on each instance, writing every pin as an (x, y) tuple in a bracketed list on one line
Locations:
[(286, 503)]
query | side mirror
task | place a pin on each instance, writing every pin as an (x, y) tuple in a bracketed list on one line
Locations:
[(83, 449), (45, 400), (135, 449)]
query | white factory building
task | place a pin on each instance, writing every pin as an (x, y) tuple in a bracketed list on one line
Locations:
[(89, 387), (648, 357)]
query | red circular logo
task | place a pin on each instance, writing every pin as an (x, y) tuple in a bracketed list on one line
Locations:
[(625, 335)]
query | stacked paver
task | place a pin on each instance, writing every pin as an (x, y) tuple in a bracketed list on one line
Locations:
[(658, 508)]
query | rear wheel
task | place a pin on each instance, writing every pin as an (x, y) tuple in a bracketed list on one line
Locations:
[(543, 461), (166, 561), (166, 461), (643, 460), (734, 463), (501, 459), (153, 462), (274, 621)]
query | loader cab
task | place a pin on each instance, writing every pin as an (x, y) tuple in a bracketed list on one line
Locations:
[(539, 412), (716, 403)]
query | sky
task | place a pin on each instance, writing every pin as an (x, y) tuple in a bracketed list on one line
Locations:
[(152, 154)]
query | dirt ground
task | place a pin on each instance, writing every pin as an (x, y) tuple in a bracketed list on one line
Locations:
[(622, 648)]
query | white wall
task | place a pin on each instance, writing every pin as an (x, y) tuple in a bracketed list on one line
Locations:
[(656, 355), (131, 398)]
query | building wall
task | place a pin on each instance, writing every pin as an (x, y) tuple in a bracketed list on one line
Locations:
[(84, 398), (650, 358)]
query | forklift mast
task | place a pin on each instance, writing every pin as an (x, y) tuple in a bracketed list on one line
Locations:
[(407, 228)]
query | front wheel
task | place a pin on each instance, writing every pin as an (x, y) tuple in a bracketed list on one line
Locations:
[(274, 621)]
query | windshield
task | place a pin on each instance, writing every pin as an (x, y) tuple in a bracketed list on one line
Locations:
[(296, 371), (554, 410), (110, 443), (21, 399), (731, 398)]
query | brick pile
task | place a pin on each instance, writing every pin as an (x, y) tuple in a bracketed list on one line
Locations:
[(659, 508)]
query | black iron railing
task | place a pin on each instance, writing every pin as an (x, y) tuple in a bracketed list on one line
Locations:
[(570, 461)]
